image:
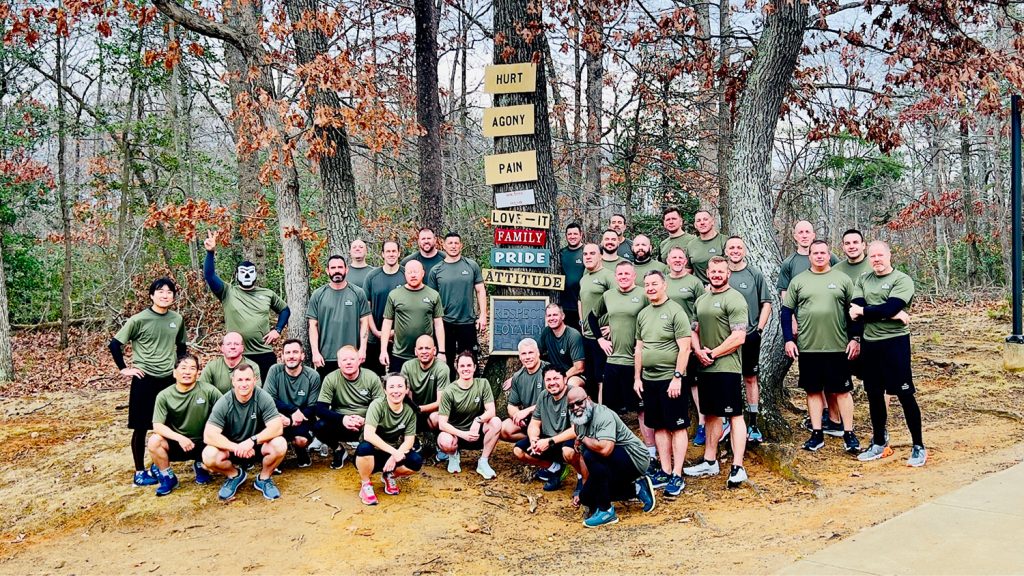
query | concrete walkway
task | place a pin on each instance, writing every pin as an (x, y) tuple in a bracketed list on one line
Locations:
[(977, 529)]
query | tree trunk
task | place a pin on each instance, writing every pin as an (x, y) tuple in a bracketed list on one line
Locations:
[(750, 180), (341, 214), (428, 115), (62, 195), (594, 62), (6, 353), (724, 140), (970, 218)]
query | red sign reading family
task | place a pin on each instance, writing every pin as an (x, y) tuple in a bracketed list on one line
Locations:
[(520, 236)]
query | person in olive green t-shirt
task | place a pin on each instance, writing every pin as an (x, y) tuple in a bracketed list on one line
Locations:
[(412, 310), (244, 428), (562, 345), (339, 315), (617, 310), (217, 372), (466, 418), (820, 299), (458, 279), (856, 263), (247, 307), (426, 375), (548, 443), (684, 288), (179, 418), (388, 438), (708, 244), (157, 337), (295, 389), (644, 260), (341, 408), (524, 387), (672, 221), (720, 329)]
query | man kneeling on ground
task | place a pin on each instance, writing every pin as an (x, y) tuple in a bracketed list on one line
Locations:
[(244, 428), (179, 417), (295, 388), (614, 460), (388, 437), (345, 395), (549, 436)]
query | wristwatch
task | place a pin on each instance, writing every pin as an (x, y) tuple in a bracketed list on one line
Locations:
[(677, 374), (856, 339), (253, 438)]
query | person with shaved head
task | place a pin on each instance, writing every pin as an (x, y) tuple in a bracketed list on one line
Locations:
[(643, 259), (358, 268), (709, 243), (411, 310), (217, 372)]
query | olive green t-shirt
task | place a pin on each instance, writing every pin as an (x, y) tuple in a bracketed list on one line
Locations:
[(561, 351), (239, 421), (456, 283), (718, 314), (643, 269), (669, 243), (248, 313), (660, 326), (391, 426), (526, 387), (592, 286), (610, 265), (750, 283), (350, 397), (462, 406), (154, 339), (685, 291), (876, 290), (378, 287), (425, 383), (820, 302), (217, 374), (700, 251), (185, 412), (291, 393), (795, 265), (619, 311), (338, 313), (413, 313), (854, 271), (605, 424), (358, 276), (553, 414)]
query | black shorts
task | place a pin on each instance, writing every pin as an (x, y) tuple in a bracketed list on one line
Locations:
[(478, 444), (373, 358), (886, 365), (304, 430), (619, 394), (692, 369), (142, 399), (553, 454), (413, 461), (662, 412), (594, 362), (720, 394), (827, 372), (176, 454), (750, 354), (247, 462)]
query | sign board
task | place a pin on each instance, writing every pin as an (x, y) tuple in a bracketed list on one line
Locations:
[(513, 167), (508, 236), (520, 258), (514, 318), (520, 219), (508, 121), (510, 78), (515, 198), (524, 279)]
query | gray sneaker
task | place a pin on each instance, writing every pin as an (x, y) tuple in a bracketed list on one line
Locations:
[(875, 452), (227, 491), (267, 488), (918, 456), (702, 469)]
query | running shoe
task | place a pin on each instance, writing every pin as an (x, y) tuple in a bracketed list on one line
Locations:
[(230, 487), (367, 496), (144, 478), (390, 484), (542, 475), (754, 435), (340, 455), (737, 476), (484, 469), (653, 467), (726, 429), (645, 493), (815, 442), (167, 484), (454, 462), (601, 518), (705, 468), (851, 442), (203, 475), (302, 457), (831, 428), (675, 486), (555, 479), (918, 456), (659, 480), (440, 456), (874, 452), (699, 437), (267, 488)]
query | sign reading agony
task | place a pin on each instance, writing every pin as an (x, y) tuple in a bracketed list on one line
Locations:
[(510, 78), (515, 236), (514, 318), (524, 279), (507, 168), (508, 121)]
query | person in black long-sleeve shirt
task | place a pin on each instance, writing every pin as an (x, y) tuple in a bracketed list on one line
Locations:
[(295, 389)]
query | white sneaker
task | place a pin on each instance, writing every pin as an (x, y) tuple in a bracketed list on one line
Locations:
[(484, 469), (454, 463), (736, 477), (702, 469)]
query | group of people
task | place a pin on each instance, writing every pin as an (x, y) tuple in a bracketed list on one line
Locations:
[(395, 358)]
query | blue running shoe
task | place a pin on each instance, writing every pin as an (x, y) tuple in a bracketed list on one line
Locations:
[(267, 488), (645, 493), (754, 435), (601, 518), (659, 480), (227, 491), (144, 478), (203, 475), (167, 484), (699, 438), (675, 486)]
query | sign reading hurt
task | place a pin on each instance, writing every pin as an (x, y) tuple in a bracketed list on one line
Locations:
[(510, 78)]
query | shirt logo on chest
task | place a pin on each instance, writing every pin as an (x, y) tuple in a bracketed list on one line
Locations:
[(831, 286), (301, 392), (717, 304), (263, 297), (252, 417), (634, 299), (348, 302), (664, 316), (427, 301), (578, 261), (465, 272), (173, 325), (561, 350), (884, 287), (743, 285), (364, 392), (200, 400)]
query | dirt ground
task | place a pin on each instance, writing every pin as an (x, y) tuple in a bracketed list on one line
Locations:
[(68, 506)]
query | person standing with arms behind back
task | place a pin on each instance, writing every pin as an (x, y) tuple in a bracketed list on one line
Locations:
[(571, 259), (458, 279)]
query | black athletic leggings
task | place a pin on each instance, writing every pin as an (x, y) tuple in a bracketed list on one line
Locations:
[(139, 449), (879, 414)]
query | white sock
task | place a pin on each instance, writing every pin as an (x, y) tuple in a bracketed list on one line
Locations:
[(555, 467), (653, 451)]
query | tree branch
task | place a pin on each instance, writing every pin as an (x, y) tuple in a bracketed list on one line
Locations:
[(196, 23)]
